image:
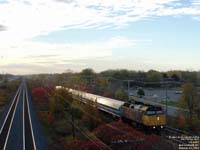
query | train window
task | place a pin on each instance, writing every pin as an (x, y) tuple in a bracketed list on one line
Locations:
[(159, 112), (150, 112)]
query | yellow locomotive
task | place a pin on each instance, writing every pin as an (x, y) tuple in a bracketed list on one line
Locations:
[(147, 115)]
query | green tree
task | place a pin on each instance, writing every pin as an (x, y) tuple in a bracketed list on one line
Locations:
[(175, 74), (76, 82), (121, 95), (154, 76), (2, 98), (140, 92), (190, 76), (91, 116), (190, 98), (101, 85), (198, 78), (60, 102), (87, 72)]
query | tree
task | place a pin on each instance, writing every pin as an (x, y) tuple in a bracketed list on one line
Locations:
[(154, 76), (76, 82), (2, 98), (165, 76), (140, 92), (88, 75), (91, 116), (101, 85), (119, 135), (175, 77), (41, 96), (189, 99), (87, 72), (60, 102), (175, 74), (121, 95), (198, 78), (190, 76)]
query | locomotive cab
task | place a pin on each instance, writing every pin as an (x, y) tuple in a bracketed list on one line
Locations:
[(154, 117)]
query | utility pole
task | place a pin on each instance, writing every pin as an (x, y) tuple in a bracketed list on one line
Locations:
[(166, 96), (73, 127), (128, 90), (128, 87)]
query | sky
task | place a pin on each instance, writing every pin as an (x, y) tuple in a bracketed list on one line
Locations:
[(51, 36)]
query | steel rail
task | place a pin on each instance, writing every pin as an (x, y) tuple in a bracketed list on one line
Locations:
[(30, 121), (8, 133), (10, 109)]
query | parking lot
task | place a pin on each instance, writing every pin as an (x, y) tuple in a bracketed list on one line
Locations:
[(159, 95)]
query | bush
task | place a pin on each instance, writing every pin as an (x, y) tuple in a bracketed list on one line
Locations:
[(140, 92)]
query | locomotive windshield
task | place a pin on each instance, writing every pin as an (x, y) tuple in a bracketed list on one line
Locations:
[(152, 110)]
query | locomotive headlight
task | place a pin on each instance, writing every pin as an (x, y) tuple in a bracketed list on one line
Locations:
[(161, 127), (158, 118), (154, 127)]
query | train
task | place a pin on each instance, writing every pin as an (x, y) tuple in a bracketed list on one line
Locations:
[(148, 116)]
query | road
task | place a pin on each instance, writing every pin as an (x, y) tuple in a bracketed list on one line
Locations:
[(19, 126)]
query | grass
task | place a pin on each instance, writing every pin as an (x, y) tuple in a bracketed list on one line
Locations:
[(170, 103)]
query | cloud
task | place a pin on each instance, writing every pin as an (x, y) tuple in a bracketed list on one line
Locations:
[(22, 20), (2, 28), (26, 19), (45, 55)]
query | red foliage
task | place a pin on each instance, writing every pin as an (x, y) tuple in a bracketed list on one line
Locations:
[(46, 117), (182, 121), (108, 94), (197, 129), (119, 134), (92, 145), (86, 145), (50, 118), (88, 89), (41, 94), (76, 144)]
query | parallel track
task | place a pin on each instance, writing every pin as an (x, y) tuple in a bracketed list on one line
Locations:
[(5, 129), (20, 101)]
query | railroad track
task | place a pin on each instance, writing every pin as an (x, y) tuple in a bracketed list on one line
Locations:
[(16, 131), (179, 137)]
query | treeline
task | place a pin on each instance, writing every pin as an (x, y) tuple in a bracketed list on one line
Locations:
[(154, 76), (114, 83), (5, 76), (7, 90), (149, 76)]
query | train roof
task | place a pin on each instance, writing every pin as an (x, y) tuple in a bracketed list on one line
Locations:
[(113, 103), (110, 102)]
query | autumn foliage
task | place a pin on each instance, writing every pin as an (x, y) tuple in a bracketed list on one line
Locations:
[(85, 145), (41, 95), (121, 136), (46, 117)]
